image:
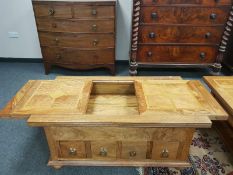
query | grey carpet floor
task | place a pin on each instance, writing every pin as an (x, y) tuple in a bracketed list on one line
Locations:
[(24, 150)]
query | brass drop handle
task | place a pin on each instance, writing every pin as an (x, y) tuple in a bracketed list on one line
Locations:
[(51, 12), (72, 151), (103, 152), (165, 153), (95, 42), (202, 55), (207, 35), (132, 153), (58, 56), (213, 16), (154, 15), (152, 35), (149, 54), (94, 12), (94, 27)]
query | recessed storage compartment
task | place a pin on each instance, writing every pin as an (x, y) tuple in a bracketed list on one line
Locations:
[(116, 97)]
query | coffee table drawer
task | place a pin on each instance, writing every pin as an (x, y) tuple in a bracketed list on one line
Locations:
[(72, 149)]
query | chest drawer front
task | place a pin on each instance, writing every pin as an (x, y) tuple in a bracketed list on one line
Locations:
[(180, 34), (92, 11), (77, 40), (78, 26), (52, 10), (103, 149), (134, 150), (177, 54), (203, 2), (185, 15), (73, 56), (165, 151), (72, 149)]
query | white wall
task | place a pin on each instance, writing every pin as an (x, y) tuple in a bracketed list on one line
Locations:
[(17, 16)]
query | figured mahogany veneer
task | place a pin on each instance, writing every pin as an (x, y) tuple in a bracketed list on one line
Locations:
[(116, 121), (77, 34), (175, 32)]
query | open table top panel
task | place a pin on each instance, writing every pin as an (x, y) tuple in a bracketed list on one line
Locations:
[(222, 88), (115, 101)]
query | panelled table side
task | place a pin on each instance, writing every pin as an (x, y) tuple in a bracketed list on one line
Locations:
[(76, 34), (180, 33), (116, 121), (222, 90)]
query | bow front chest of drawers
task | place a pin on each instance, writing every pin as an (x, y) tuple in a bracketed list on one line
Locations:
[(179, 33), (116, 121), (76, 34)]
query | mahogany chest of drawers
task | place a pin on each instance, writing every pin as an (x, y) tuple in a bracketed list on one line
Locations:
[(179, 33), (76, 34), (116, 121)]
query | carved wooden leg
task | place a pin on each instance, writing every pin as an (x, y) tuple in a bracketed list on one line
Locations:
[(112, 69), (57, 167), (47, 68), (133, 68)]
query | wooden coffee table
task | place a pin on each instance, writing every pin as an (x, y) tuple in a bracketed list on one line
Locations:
[(116, 121)]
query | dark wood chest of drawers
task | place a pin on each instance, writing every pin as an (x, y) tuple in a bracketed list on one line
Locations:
[(191, 33), (76, 34)]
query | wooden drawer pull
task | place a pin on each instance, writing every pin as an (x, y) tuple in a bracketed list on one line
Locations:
[(207, 35), (202, 55), (213, 16), (103, 152), (94, 27), (54, 25), (72, 151), (165, 153), (94, 12), (95, 42), (152, 35), (51, 12), (132, 153), (149, 54), (154, 15)]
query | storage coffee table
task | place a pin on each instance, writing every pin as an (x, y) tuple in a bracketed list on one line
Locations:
[(116, 121)]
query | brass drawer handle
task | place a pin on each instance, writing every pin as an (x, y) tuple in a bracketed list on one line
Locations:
[(213, 16), (51, 12), (154, 15), (103, 152), (207, 35), (94, 27), (202, 55), (165, 153), (72, 151), (95, 42), (132, 153), (58, 56), (149, 54), (152, 35), (94, 12)]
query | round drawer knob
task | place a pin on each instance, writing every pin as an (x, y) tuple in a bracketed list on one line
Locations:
[(213, 16), (51, 12), (103, 152), (132, 153), (56, 40), (152, 35), (54, 25), (154, 15), (165, 153), (207, 35), (149, 54), (202, 55), (95, 42), (94, 12), (72, 151), (94, 27)]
